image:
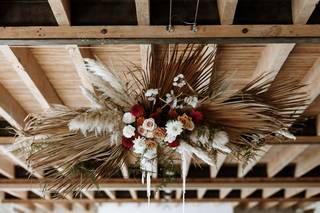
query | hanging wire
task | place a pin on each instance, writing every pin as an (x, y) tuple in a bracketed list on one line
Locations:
[(170, 27), (194, 25)]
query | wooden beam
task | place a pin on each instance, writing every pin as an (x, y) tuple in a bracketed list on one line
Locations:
[(6, 167), (77, 55), (242, 171), (272, 59), (31, 73), (245, 192), (19, 162), (201, 193), (143, 12), (307, 161), (11, 110), (268, 192), (147, 34), (227, 10), (61, 11), (314, 108), (193, 184), (282, 156), (215, 169), (310, 192), (125, 174), (302, 10), (110, 194), (292, 191), (190, 200)]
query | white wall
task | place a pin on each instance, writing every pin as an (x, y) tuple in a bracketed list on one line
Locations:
[(165, 208)]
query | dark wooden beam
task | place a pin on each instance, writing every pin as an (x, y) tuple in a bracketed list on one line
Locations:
[(190, 200), (192, 183), (86, 35)]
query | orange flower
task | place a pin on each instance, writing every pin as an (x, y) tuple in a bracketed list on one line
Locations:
[(140, 121), (186, 121), (151, 144), (159, 133)]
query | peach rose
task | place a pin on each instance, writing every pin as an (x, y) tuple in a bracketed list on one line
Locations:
[(186, 121), (151, 144), (159, 133)]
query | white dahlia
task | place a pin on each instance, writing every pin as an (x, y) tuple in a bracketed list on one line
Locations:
[(174, 128)]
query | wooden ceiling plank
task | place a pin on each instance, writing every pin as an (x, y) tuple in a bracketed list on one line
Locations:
[(302, 10), (77, 55), (31, 73), (268, 205), (61, 11), (143, 12), (227, 10), (11, 110)]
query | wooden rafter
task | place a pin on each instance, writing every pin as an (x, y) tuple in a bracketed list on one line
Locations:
[(302, 10), (143, 12), (227, 10), (31, 73), (61, 11), (10, 109), (77, 55)]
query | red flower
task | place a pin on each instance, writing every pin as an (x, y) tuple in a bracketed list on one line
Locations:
[(174, 143), (127, 142), (156, 116), (137, 110), (196, 116)]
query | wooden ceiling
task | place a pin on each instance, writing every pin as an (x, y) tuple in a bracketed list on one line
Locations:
[(32, 76)]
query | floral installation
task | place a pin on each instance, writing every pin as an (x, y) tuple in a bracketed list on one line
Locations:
[(177, 106)]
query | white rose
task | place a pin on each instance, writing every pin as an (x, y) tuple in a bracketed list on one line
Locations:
[(128, 118), (149, 124), (128, 131)]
